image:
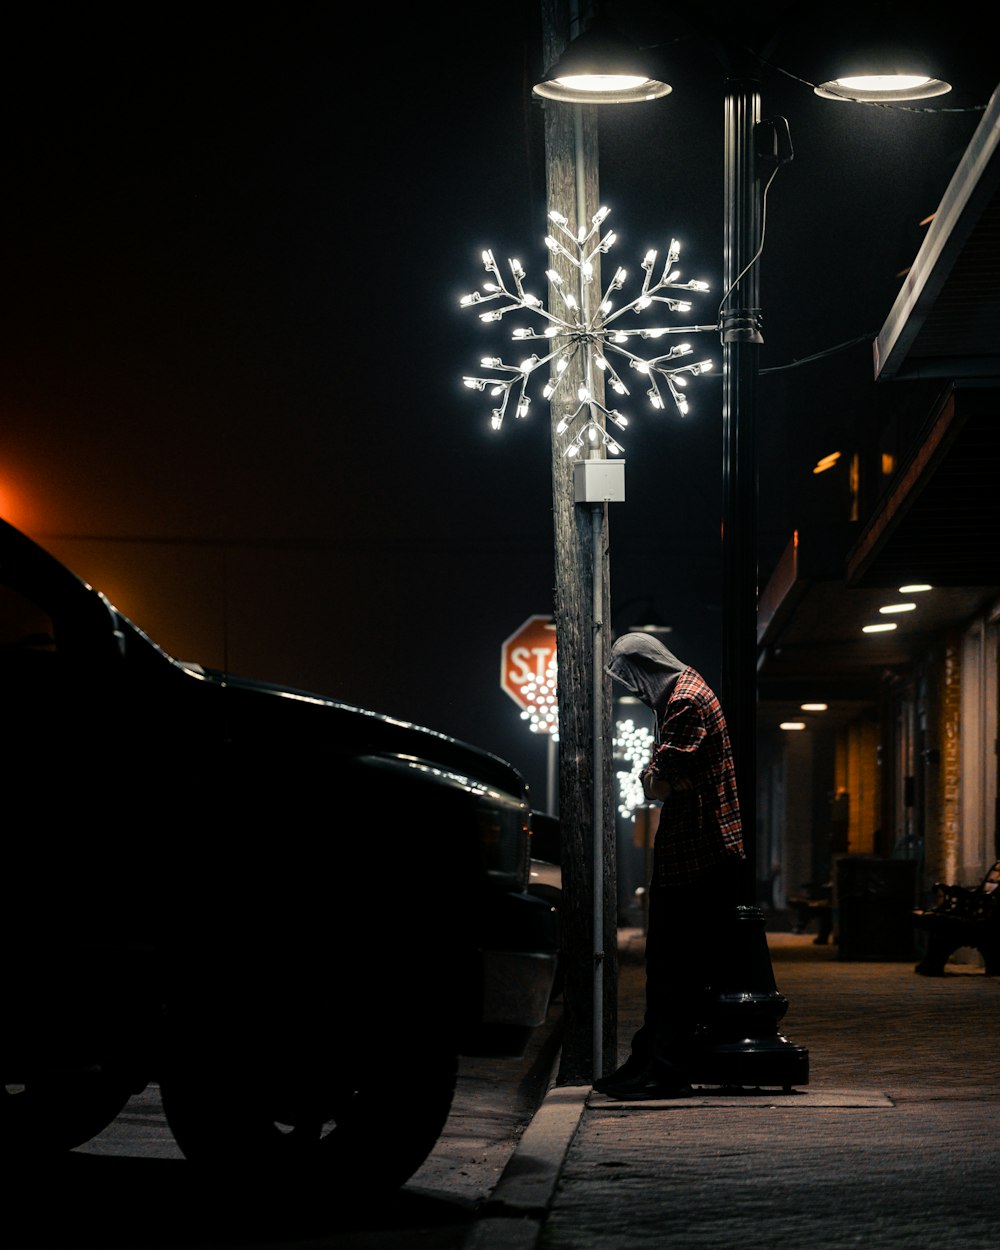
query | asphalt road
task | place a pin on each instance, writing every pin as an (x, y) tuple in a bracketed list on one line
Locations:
[(131, 1188)]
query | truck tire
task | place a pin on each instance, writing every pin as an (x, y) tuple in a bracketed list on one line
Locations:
[(368, 1131), (51, 1114)]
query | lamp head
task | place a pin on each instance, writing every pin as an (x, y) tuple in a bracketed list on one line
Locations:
[(881, 52), (870, 86), (599, 67)]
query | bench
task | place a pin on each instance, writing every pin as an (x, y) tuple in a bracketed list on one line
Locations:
[(815, 900), (962, 916)]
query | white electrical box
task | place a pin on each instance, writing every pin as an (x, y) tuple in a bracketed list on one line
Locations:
[(599, 481)]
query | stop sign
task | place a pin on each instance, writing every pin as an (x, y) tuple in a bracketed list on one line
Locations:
[(526, 655)]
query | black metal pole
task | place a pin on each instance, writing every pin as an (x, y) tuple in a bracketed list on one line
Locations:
[(741, 339), (742, 1045)]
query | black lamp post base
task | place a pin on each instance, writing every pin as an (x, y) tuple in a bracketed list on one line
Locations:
[(739, 1043), (772, 1062)]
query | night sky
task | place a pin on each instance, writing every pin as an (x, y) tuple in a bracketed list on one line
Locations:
[(234, 243)]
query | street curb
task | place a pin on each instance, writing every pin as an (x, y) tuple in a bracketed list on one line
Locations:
[(513, 1216)]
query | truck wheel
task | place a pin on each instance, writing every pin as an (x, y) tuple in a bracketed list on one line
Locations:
[(369, 1130), (51, 1114)]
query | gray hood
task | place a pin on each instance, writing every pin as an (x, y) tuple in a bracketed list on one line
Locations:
[(646, 667)]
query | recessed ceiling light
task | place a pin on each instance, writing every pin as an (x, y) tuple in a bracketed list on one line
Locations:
[(813, 707), (878, 629), (915, 589), (792, 724), (897, 607)]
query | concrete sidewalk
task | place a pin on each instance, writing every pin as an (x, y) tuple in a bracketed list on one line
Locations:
[(894, 1142)]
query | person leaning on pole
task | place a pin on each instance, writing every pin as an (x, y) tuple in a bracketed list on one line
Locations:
[(698, 863)]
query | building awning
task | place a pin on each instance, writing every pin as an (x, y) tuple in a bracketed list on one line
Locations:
[(944, 322)]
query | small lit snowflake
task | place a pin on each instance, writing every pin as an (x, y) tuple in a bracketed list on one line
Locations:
[(599, 334), (633, 743)]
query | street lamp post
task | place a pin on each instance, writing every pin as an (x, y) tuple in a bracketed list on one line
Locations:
[(740, 329), (742, 1044)]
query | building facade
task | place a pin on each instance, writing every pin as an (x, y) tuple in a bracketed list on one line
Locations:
[(879, 630)]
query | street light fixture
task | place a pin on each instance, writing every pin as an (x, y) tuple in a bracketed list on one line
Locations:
[(599, 67), (594, 69), (869, 66), (870, 57), (885, 88)]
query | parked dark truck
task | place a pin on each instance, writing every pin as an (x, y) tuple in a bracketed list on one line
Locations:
[(292, 914)]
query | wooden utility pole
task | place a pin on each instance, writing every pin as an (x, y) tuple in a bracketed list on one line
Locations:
[(583, 632)]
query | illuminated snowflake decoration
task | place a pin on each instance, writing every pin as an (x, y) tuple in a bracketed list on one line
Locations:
[(542, 697), (633, 743), (602, 336)]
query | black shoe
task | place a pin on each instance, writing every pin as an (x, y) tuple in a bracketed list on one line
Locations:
[(645, 1086), (632, 1067)]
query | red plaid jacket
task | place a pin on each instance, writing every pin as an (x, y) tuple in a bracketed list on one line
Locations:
[(699, 827)]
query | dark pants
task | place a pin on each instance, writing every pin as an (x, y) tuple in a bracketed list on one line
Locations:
[(689, 929)]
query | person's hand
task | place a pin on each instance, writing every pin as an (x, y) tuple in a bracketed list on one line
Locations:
[(654, 788)]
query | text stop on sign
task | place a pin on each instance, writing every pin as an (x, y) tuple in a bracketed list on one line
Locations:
[(526, 655)]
